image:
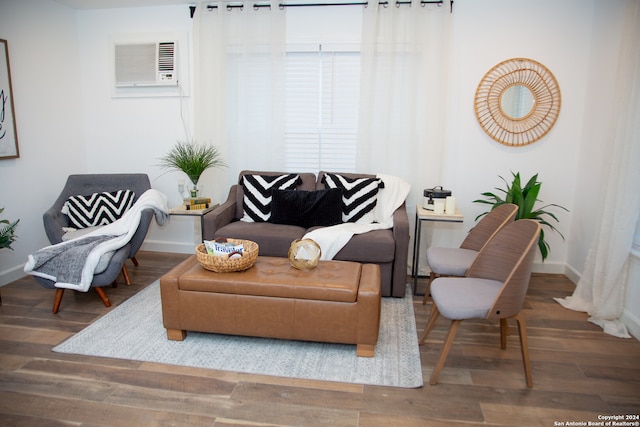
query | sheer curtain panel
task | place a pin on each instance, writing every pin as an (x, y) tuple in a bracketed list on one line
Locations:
[(404, 67), (601, 289), (239, 58)]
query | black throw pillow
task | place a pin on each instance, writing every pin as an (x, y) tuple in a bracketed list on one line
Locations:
[(307, 208)]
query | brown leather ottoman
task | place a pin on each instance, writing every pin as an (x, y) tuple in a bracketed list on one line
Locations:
[(338, 302)]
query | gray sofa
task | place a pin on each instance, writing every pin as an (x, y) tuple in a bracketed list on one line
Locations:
[(386, 248)]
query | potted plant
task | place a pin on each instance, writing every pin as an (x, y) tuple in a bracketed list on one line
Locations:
[(525, 198), (193, 159), (7, 232)]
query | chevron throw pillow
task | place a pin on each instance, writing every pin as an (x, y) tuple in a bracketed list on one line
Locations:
[(258, 191), (359, 196), (97, 208)]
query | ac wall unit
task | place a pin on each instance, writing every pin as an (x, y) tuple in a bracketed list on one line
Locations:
[(146, 64)]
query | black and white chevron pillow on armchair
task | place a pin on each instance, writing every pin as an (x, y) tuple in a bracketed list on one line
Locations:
[(258, 190), (97, 208)]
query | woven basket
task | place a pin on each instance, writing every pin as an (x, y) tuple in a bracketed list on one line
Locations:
[(311, 254), (221, 264)]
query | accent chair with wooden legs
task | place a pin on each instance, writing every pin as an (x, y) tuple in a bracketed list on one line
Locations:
[(57, 224), (455, 261), (494, 288)]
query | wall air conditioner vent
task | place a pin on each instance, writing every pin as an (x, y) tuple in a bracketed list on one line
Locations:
[(146, 64)]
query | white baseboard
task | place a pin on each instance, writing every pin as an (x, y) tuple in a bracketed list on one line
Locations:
[(572, 273), (9, 275), (631, 322), (548, 267)]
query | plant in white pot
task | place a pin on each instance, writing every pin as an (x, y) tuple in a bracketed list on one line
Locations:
[(193, 159)]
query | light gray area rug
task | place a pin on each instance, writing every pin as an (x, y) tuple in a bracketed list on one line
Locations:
[(134, 331)]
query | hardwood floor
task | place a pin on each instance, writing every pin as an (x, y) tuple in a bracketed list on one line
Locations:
[(579, 373)]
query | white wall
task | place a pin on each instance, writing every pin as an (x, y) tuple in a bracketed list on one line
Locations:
[(45, 70), (130, 134), (68, 122), (486, 33)]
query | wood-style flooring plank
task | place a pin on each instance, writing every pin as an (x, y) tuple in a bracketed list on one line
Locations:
[(578, 372), (244, 377), (94, 413), (531, 416), (256, 411)]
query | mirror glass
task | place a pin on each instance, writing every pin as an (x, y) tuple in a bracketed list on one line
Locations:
[(517, 101)]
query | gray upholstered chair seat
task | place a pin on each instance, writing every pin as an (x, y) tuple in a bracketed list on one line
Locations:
[(465, 298), (450, 261)]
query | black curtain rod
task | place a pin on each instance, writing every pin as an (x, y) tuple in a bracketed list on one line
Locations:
[(398, 3)]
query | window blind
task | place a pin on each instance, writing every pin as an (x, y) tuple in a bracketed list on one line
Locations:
[(322, 97)]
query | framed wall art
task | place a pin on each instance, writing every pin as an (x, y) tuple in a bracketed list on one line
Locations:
[(8, 132)]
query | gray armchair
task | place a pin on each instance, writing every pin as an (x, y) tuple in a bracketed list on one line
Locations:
[(86, 184)]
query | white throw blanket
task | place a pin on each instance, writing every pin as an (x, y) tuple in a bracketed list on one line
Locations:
[(391, 197), (71, 264)]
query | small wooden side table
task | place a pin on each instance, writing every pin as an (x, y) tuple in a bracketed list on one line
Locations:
[(427, 215)]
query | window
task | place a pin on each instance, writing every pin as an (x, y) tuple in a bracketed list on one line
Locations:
[(322, 96)]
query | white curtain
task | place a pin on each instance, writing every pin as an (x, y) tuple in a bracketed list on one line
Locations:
[(601, 289), (403, 92), (239, 65)]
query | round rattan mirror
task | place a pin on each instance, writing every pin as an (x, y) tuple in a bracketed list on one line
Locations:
[(517, 102)]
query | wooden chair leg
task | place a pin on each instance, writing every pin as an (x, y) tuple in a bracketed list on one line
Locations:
[(135, 261), (504, 332), (57, 299), (427, 291), (524, 348), (453, 330), (125, 274), (435, 313), (103, 296)]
